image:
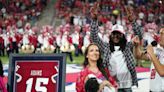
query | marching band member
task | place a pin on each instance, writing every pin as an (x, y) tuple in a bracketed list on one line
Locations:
[(27, 31), (27, 28), (25, 38), (2, 46), (67, 46), (51, 41), (45, 39), (129, 32), (33, 41), (47, 46), (58, 38), (86, 40), (108, 27), (64, 42), (9, 43), (5, 38), (40, 40), (27, 47), (103, 35), (16, 39), (75, 38)]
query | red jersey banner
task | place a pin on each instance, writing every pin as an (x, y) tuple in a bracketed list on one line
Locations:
[(37, 75)]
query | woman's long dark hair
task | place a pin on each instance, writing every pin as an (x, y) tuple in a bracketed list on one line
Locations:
[(1, 69), (99, 61), (122, 43)]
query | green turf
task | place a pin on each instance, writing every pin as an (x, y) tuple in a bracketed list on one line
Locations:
[(146, 63), (4, 59), (77, 60)]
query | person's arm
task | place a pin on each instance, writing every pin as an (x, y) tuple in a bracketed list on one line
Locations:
[(158, 66), (107, 87), (138, 53), (105, 83), (94, 28), (80, 82), (2, 85), (137, 30)]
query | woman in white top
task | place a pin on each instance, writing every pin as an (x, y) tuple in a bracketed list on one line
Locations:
[(156, 55)]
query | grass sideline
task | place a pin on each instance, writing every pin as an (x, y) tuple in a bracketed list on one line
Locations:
[(76, 60)]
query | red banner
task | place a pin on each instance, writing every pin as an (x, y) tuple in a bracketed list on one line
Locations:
[(38, 76)]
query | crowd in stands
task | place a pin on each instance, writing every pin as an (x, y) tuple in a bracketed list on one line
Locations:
[(149, 15), (18, 12), (74, 32), (112, 10)]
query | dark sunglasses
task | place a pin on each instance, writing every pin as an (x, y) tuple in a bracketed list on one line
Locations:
[(116, 34)]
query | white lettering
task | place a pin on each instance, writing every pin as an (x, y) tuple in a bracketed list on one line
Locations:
[(36, 72)]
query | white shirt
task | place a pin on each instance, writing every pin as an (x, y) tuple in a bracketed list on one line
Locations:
[(75, 38), (58, 40), (6, 40), (64, 40), (104, 37), (148, 36), (13, 38), (40, 39), (77, 20), (156, 81), (86, 40), (25, 39), (45, 41), (141, 15), (119, 69)]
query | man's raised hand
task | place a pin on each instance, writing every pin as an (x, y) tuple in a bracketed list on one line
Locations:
[(130, 13), (94, 10)]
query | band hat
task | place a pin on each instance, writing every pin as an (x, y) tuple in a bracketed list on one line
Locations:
[(119, 28)]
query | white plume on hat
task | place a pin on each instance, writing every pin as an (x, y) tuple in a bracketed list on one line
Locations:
[(119, 28)]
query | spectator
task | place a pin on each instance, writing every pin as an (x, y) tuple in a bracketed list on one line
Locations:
[(93, 66), (118, 53), (156, 56), (2, 84)]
